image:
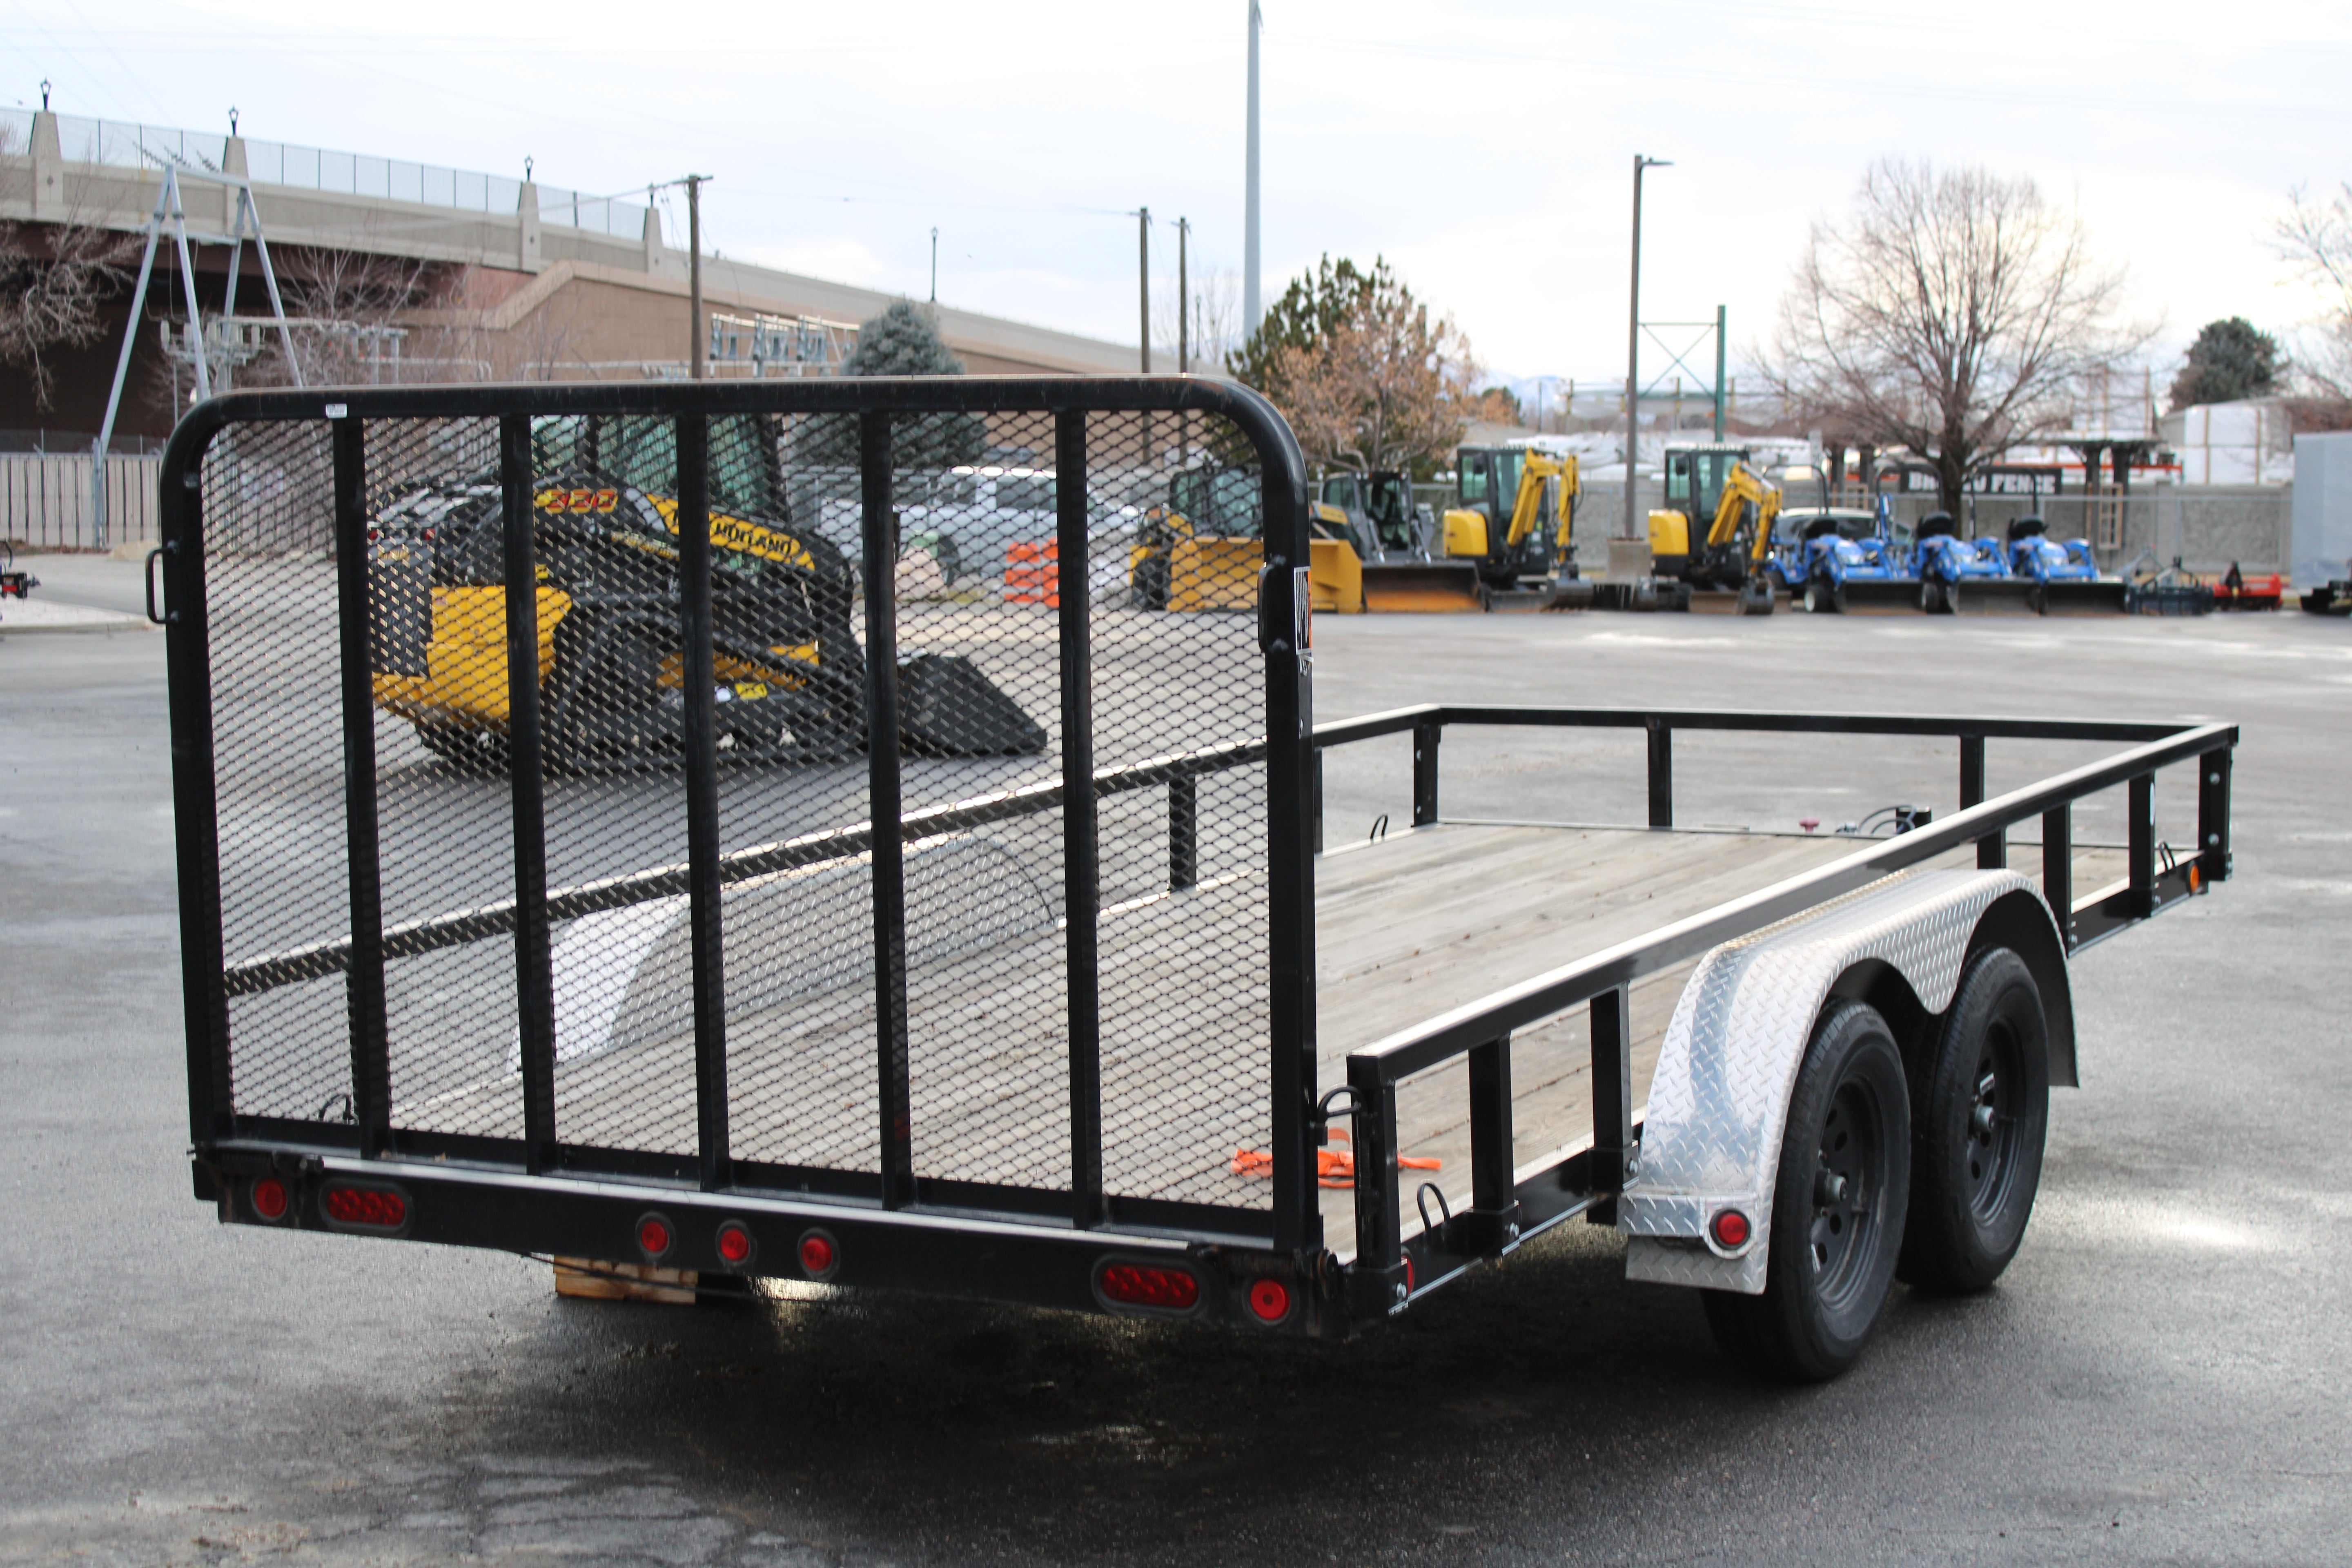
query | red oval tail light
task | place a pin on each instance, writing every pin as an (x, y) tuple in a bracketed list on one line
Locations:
[(373, 1207), (1149, 1285)]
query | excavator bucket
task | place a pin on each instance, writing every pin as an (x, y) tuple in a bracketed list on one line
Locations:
[(1422, 588), (1214, 574)]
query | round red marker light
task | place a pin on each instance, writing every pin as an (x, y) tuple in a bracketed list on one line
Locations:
[(269, 1200), (817, 1255), (653, 1236), (1730, 1228), (734, 1243), (1270, 1300)]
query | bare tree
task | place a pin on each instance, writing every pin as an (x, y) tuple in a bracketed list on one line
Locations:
[(1214, 326), (1385, 388), (55, 279), (1950, 313), (2318, 238), (347, 306)]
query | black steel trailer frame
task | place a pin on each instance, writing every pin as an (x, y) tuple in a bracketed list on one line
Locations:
[(887, 1229)]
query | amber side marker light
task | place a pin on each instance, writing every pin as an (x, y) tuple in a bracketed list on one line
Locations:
[(1147, 1285)]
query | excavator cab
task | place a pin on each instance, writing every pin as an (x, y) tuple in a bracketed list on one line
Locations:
[(1695, 480), (1715, 528), (1511, 509)]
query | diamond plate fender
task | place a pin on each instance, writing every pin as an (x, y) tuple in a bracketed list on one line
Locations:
[(1711, 1137)]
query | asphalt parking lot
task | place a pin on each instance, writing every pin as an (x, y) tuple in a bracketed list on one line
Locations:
[(2162, 1376)]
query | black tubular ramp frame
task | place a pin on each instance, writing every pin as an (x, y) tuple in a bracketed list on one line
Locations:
[(537, 1195), (1387, 1270)]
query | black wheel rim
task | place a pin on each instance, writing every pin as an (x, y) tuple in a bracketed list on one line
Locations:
[(1990, 1141), (1849, 1174)]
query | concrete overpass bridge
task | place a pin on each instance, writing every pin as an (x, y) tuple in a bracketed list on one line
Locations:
[(476, 276)]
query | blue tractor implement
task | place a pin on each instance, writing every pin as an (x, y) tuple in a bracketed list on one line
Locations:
[(2062, 578)]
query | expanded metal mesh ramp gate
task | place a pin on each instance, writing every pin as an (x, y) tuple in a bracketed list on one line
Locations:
[(610, 918)]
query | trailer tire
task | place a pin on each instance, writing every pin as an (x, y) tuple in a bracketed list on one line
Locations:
[(1839, 1198), (478, 752), (1980, 1115)]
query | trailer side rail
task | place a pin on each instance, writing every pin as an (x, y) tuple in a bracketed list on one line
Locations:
[(1507, 1209)]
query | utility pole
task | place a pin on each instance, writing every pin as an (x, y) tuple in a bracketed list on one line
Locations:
[(1250, 307), (694, 264), (935, 265), (1143, 278), (1633, 339), (1143, 297), (1718, 374), (1184, 336), (1183, 299)]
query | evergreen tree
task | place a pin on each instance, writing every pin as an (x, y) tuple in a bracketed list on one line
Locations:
[(903, 341), (2229, 361), (1366, 378), (1307, 317)]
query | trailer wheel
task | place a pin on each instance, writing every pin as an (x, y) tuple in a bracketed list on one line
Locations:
[(480, 752), (1838, 1207), (1979, 1113)]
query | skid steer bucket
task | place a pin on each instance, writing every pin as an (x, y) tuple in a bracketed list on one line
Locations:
[(1214, 574), (1335, 576), (1994, 596), (1877, 598), (2081, 598), (1424, 587)]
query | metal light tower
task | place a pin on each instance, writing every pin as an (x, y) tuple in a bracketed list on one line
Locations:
[(1251, 306), (1634, 338)]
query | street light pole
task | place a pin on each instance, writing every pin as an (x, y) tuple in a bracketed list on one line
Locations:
[(1250, 311), (1633, 339)]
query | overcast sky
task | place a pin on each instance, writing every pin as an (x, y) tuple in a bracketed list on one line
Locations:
[(1484, 148)]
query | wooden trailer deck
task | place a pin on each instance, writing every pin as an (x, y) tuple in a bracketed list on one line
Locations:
[(1423, 921)]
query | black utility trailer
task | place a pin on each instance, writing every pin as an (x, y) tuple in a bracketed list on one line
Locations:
[(1094, 1026)]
